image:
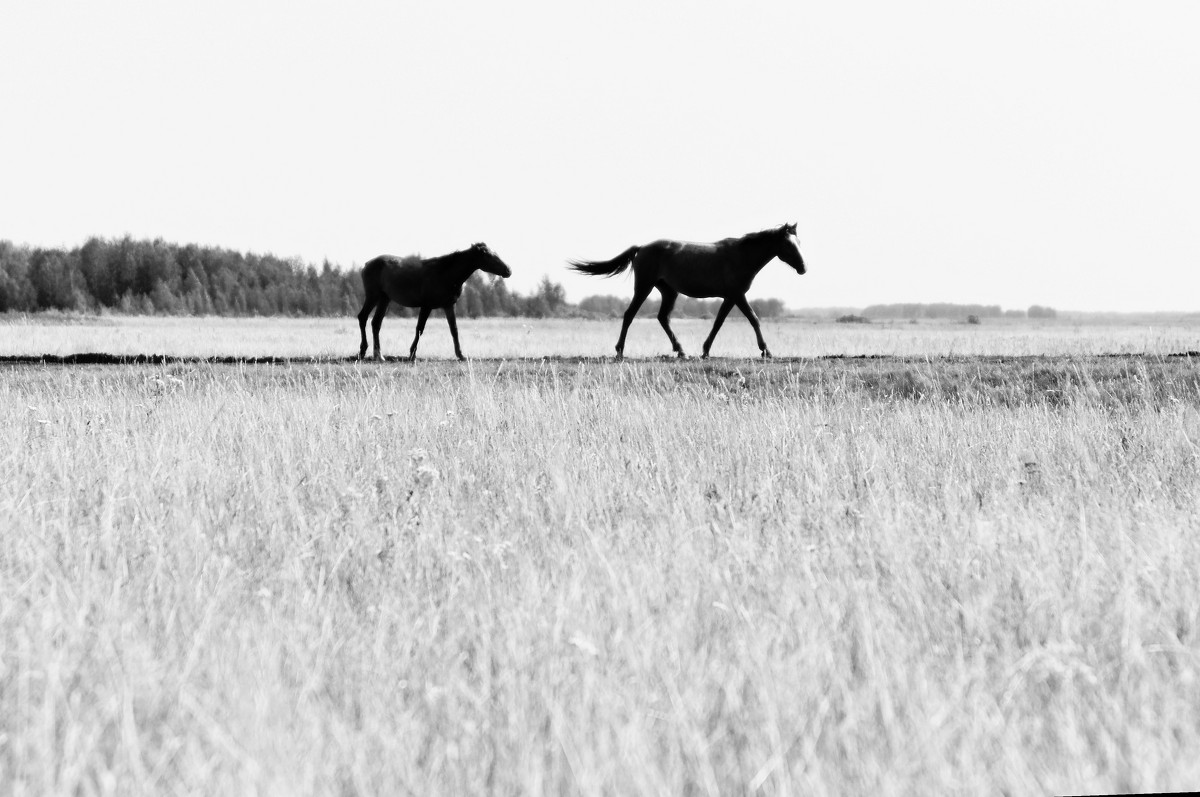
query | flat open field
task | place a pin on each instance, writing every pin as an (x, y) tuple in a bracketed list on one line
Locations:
[(524, 338), (962, 567)]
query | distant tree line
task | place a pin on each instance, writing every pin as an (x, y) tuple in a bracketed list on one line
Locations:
[(145, 277), (935, 310), (155, 277), (148, 277), (954, 311), (491, 297), (1037, 311)]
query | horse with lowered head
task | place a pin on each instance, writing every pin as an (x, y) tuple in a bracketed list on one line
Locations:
[(701, 270), (424, 283)]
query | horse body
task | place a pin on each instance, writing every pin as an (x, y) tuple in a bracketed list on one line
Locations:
[(427, 284), (724, 269), (700, 270), (412, 282)]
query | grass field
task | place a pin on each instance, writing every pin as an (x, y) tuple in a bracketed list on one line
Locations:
[(961, 569), (515, 338)]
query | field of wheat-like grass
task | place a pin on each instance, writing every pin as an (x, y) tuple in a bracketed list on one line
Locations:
[(920, 575)]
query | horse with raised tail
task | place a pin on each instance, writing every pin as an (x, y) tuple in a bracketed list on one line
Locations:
[(722, 269)]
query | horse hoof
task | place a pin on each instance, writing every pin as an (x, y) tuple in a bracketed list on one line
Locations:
[(767, 355)]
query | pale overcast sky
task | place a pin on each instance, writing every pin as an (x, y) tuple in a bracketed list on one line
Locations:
[(1005, 153)]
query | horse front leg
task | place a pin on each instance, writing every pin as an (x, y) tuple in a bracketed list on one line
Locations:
[(363, 315), (726, 306), (421, 319), (748, 311), (454, 330)]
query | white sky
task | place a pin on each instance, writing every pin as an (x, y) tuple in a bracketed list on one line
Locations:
[(1005, 153)]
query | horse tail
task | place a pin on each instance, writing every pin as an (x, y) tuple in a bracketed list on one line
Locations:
[(606, 268)]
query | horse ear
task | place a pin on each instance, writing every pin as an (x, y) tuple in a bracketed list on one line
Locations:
[(790, 228)]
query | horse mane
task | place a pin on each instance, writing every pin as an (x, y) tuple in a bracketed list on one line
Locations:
[(753, 236), (442, 261)]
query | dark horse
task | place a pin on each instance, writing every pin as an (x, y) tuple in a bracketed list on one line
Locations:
[(725, 268), (413, 282)]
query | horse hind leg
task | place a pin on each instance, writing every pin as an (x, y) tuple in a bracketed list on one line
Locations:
[(421, 319), (669, 295), (381, 307), (363, 315), (640, 292), (372, 293)]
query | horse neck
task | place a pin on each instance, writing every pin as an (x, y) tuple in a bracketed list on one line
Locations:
[(460, 264), (757, 251)]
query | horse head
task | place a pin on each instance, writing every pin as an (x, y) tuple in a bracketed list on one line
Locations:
[(489, 261), (789, 248)]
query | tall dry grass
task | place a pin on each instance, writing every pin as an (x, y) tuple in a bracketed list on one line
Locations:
[(818, 578)]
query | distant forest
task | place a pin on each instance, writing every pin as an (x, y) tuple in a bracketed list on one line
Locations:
[(953, 311), (140, 277), (154, 277)]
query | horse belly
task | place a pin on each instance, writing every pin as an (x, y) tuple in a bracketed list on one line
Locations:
[(691, 283), (440, 297)]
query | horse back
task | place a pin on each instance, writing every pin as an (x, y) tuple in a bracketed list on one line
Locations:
[(401, 279), (700, 270), (411, 281)]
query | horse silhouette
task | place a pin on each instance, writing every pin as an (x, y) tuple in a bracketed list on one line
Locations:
[(424, 283), (725, 268)]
